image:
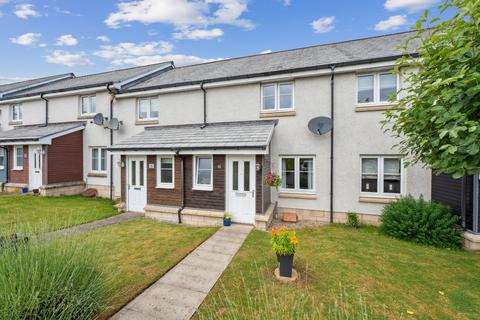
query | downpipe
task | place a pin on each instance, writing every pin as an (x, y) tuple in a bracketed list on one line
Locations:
[(182, 185), (46, 109), (332, 114), (112, 99), (202, 86)]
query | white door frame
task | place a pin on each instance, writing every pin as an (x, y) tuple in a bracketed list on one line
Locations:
[(35, 166), (129, 205), (251, 194)]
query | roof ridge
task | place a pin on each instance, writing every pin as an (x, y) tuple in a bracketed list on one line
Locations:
[(50, 124), (210, 124)]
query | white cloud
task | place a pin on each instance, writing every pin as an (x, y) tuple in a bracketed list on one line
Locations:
[(181, 13), (410, 5), (392, 23), (198, 34), (287, 2), (25, 10), (70, 59), (266, 51), (67, 40), (26, 39), (323, 25), (103, 38)]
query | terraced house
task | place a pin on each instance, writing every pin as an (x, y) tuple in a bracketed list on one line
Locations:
[(193, 142)]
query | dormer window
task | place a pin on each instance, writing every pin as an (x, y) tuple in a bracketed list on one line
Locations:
[(277, 97), (16, 113), (88, 105)]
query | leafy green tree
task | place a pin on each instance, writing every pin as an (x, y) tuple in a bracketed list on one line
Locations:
[(437, 118)]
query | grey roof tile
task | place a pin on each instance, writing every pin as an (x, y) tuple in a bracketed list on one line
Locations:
[(37, 131), (386, 46), (241, 134), (29, 83)]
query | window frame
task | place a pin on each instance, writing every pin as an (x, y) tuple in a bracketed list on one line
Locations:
[(3, 154), (89, 113), (195, 185), (15, 158), (99, 160), (149, 112), (277, 96), (160, 184), (20, 112), (381, 177), (376, 88), (297, 189)]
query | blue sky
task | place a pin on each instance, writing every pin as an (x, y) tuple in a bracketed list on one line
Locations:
[(46, 37)]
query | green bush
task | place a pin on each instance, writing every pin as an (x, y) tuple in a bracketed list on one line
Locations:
[(421, 221), (50, 280), (353, 220)]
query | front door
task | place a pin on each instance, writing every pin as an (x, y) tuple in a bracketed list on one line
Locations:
[(137, 183), (241, 188), (35, 167)]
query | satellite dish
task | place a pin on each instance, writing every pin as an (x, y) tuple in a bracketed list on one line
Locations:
[(320, 125), (98, 119), (113, 124)]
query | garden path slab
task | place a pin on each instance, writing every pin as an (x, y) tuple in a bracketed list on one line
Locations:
[(179, 293)]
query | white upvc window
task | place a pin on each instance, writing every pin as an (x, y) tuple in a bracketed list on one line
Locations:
[(297, 173), (148, 108), (98, 159), (203, 173), (277, 97), (376, 88), (18, 158), (16, 112), (381, 176), (2, 158), (166, 172), (88, 105)]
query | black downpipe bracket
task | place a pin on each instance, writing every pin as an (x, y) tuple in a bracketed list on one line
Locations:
[(332, 113), (112, 98), (182, 185), (204, 105), (46, 108)]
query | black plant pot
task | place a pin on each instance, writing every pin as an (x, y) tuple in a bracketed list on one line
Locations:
[(286, 265)]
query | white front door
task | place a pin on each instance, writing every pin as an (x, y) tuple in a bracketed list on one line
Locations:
[(136, 183), (35, 167), (241, 188)]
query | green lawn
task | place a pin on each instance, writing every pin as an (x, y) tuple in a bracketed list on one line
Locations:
[(41, 214), (348, 274), (135, 254)]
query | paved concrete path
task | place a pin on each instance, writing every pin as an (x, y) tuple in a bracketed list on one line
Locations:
[(179, 293), (123, 217)]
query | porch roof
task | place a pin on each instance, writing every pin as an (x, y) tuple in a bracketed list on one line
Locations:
[(220, 135), (39, 133)]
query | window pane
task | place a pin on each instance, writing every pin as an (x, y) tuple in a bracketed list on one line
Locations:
[(370, 175), (134, 173), (141, 172), (2, 158), (235, 176), (365, 89), (388, 86), (154, 108), (286, 96), (204, 170), (166, 170), (103, 165), (246, 176), (85, 103), (143, 107), (288, 173), (93, 104), (306, 173), (204, 163), (95, 159), (203, 177), (19, 156), (392, 177), (268, 97)]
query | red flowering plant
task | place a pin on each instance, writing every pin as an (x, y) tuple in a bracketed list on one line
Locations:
[(272, 180), (284, 242)]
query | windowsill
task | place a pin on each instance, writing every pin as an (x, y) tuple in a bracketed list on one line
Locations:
[(168, 187), (146, 122), (379, 199), (274, 114), (200, 188), (297, 195), (85, 116), (18, 169), (12, 123), (97, 175), (374, 107)]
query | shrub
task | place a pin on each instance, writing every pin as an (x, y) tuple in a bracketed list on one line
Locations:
[(284, 242), (353, 220), (50, 280), (421, 221)]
